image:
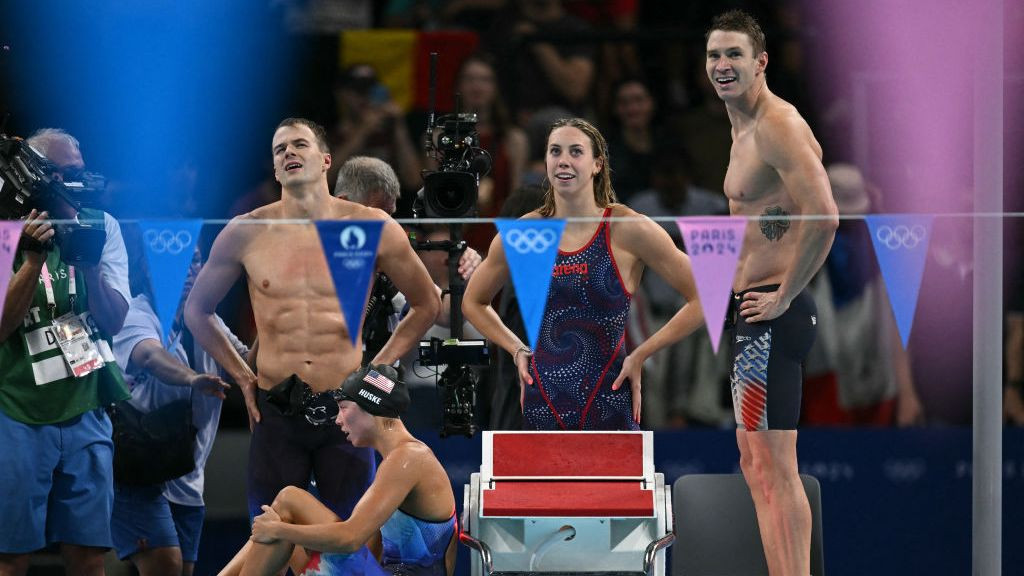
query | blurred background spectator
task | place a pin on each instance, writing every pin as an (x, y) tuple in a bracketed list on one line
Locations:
[(687, 383), (633, 138), (370, 123), (858, 372), (477, 84), (546, 59), (616, 57)]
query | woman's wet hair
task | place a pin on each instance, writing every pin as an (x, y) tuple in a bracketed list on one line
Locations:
[(603, 192)]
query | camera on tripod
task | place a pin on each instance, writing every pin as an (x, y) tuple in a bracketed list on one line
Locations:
[(27, 182), (450, 192), (458, 380)]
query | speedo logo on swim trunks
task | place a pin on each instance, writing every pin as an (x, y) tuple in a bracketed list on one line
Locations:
[(369, 396), (569, 269), (742, 338)]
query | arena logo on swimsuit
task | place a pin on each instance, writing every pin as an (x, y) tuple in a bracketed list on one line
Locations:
[(569, 270)]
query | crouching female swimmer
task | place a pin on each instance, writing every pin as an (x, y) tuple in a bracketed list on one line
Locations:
[(407, 515)]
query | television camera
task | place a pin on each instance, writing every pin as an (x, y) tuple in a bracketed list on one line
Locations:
[(27, 181), (451, 190)]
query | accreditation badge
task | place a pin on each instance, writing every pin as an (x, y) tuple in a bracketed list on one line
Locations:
[(79, 351)]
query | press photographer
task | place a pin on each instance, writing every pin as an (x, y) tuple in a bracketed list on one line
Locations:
[(67, 297), (451, 193), (60, 186)]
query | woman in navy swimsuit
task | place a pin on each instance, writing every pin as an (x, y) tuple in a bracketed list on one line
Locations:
[(574, 379)]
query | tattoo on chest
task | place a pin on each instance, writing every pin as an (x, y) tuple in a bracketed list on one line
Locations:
[(773, 223)]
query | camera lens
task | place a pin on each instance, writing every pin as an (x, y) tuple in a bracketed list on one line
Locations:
[(450, 194), (449, 199)]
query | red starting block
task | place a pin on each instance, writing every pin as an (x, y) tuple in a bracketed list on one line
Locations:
[(567, 503)]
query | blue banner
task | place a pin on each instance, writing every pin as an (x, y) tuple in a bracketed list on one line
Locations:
[(901, 245), (530, 249), (350, 247), (168, 245)]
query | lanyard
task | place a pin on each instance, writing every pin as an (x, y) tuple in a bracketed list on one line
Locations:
[(51, 302)]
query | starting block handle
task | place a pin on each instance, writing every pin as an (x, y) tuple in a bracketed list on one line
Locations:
[(653, 548), (651, 552), (479, 546), (484, 550)]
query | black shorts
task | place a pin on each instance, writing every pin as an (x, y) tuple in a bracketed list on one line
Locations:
[(767, 372), (292, 450)]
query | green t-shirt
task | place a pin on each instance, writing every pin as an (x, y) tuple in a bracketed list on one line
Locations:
[(36, 386)]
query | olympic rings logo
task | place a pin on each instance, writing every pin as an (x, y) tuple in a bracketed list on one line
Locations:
[(529, 240), (168, 241), (901, 236), (352, 238)]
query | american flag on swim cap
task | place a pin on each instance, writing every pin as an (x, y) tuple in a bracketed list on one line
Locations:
[(376, 379)]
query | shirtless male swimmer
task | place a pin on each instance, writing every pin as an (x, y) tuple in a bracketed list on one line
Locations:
[(776, 179), (304, 340)]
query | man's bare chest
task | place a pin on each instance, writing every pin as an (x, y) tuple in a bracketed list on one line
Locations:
[(748, 179), (287, 265)]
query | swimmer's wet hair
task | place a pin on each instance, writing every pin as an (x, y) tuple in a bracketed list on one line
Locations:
[(739, 21)]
